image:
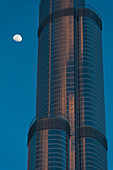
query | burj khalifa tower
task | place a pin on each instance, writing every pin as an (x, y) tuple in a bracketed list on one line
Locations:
[(69, 129)]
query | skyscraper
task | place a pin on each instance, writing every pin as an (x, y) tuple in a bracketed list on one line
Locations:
[(68, 131)]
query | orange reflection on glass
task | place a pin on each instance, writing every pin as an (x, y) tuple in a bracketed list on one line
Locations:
[(63, 70), (45, 150), (84, 157), (64, 92), (81, 55), (82, 107), (72, 132)]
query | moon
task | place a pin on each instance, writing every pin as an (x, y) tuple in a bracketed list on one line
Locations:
[(17, 38)]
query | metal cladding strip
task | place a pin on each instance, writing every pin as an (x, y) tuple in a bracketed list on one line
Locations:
[(48, 123), (92, 133), (91, 14), (68, 12)]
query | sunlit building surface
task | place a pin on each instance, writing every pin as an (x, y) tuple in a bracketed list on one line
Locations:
[(69, 129)]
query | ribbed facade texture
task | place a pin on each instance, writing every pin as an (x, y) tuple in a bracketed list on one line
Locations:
[(69, 129)]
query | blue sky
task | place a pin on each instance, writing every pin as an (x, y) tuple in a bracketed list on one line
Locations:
[(18, 62)]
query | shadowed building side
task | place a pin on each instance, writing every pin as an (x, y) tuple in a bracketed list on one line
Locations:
[(91, 148)]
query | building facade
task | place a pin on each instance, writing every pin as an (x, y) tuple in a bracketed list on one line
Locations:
[(69, 130)]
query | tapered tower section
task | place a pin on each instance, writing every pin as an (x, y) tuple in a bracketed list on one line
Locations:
[(68, 131)]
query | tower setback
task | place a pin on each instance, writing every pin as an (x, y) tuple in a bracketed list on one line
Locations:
[(69, 129)]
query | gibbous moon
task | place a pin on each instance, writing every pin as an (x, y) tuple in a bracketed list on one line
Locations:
[(17, 38)]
